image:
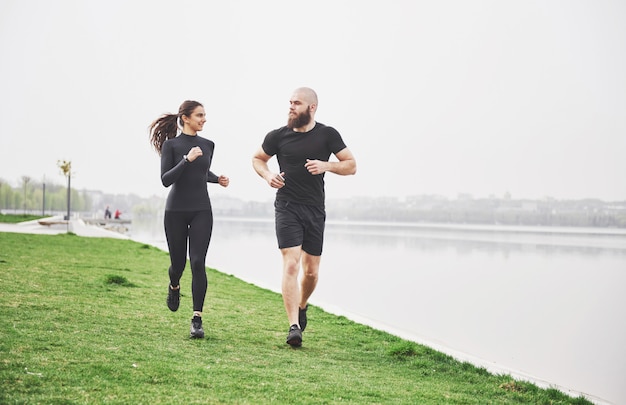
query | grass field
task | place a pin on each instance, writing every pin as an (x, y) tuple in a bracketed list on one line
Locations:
[(14, 219), (84, 321)]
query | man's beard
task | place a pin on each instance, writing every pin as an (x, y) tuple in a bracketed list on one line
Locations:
[(300, 120)]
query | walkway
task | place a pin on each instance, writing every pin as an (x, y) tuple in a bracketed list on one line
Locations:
[(77, 226)]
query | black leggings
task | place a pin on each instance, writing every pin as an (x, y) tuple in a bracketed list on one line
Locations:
[(195, 226)]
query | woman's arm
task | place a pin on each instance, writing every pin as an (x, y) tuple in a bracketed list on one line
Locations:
[(170, 170)]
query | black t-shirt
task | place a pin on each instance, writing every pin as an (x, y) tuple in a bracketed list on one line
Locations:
[(292, 149), (188, 179)]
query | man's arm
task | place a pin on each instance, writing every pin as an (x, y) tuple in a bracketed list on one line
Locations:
[(345, 166), (259, 163)]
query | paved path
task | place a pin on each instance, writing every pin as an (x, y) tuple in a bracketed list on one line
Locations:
[(77, 226)]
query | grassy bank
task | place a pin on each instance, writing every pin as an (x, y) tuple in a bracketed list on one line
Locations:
[(14, 219), (84, 320)]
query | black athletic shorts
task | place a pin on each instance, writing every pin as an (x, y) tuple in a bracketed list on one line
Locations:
[(300, 224)]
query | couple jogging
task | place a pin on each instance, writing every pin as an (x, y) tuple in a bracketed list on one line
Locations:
[(302, 148)]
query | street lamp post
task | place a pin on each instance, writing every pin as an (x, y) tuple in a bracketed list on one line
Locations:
[(69, 181)]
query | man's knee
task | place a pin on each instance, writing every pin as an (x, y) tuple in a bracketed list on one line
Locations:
[(291, 260), (311, 266), (291, 267)]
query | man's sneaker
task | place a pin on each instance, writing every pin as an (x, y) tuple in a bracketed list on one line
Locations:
[(294, 339), (173, 298), (302, 317), (196, 330)]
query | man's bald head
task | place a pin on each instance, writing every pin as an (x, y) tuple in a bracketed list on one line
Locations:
[(307, 94)]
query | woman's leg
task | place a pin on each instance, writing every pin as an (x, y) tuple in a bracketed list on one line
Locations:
[(176, 232), (200, 230)]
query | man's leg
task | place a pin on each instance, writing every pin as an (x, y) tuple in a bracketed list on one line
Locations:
[(315, 220), (294, 297), (310, 270), (290, 288)]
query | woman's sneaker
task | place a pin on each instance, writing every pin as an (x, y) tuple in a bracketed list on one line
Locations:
[(196, 330), (173, 298)]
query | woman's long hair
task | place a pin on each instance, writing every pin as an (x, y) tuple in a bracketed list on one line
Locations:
[(166, 126)]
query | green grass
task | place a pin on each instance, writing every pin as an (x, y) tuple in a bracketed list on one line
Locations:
[(84, 321), (15, 218)]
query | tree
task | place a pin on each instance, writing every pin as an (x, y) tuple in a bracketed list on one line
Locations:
[(66, 169), (25, 181)]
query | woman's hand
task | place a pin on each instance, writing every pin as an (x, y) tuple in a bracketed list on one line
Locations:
[(223, 181), (194, 153)]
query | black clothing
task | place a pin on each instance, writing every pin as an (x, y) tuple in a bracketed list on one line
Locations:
[(197, 227), (188, 214), (300, 225), (292, 149), (188, 179)]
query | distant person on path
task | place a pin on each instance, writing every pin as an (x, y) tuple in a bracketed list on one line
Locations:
[(118, 214), (185, 165), (303, 149), (107, 213)]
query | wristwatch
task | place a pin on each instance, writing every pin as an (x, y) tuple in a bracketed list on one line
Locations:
[(185, 157)]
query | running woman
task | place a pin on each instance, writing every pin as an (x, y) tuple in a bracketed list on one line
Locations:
[(185, 166)]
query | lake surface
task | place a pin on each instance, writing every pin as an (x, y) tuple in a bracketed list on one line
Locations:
[(542, 304)]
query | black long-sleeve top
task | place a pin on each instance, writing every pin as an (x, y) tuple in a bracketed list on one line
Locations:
[(188, 179)]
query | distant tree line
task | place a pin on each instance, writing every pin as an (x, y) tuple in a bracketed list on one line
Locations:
[(548, 212), (463, 210), (30, 196)]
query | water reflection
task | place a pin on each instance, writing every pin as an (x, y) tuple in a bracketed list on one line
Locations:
[(544, 304)]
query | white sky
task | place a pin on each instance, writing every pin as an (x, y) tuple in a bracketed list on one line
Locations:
[(432, 97)]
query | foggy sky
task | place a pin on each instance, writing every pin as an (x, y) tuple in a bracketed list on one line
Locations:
[(479, 97)]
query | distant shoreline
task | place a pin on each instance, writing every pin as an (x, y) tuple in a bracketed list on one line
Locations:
[(454, 226)]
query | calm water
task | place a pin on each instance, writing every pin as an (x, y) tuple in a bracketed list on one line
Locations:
[(545, 304)]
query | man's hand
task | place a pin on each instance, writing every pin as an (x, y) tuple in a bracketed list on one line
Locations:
[(276, 180), (316, 167)]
